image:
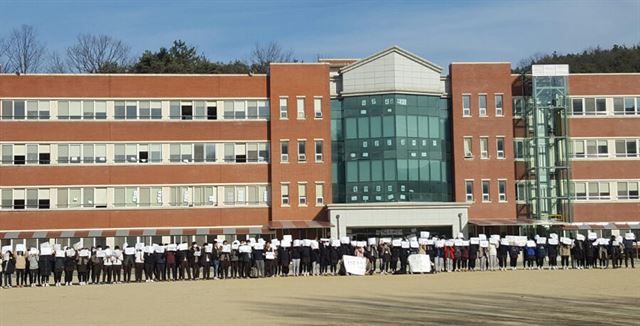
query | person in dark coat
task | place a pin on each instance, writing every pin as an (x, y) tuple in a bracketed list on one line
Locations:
[(541, 253), (160, 270), (192, 260), (404, 257), (589, 254), (127, 265), (183, 264), (628, 252), (514, 251), (305, 260), (315, 261), (44, 264), (578, 254), (325, 258), (257, 256), (58, 268), (614, 251), (284, 258), (96, 265), (69, 267), (9, 267), (552, 250), (83, 269), (473, 255), (334, 257), (205, 261), (149, 264), (395, 255)]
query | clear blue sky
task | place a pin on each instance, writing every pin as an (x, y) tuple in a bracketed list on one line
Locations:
[(438, 31)]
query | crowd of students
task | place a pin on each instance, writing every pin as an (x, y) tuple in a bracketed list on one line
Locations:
[(275, 258)]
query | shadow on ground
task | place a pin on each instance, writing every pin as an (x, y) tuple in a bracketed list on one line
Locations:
[(454, 309)]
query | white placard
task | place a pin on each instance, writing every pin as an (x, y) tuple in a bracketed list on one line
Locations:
[(197, 253), (423, 241), (619, 239), (386, 240), (46, 251), (20, 247), (474, 241), (494, 241), (604, 242), (580, 237), (420, 263), (129, 251), (335, 243), (245, 249), (226, 248), (306, 242), (484, 244), (630, 236), (172, 247), (592, 236), (183, 246), (482, 236), (57, 247), (396, 243), (208, 248), (139, 246), (270, 255), (100, 253), (424, 234), (296, 243), (252, 241), (457, 242), (261, 241), (78, 245), (553, 235), (504, 242), (542, 240), (275, 242), (258, 246), (315, 245), (5, 249), (287, 237), (495, 236), (354, 265), (465, 243), (440, 243), (565, 241), (159, 249), (84, 253), (345, 240), (371, 241), (414, 244), (361, 244), (354, 243), (405, 244), (60, 254), (33, 251), (235, 245), (553, 241), (531, 243), (285, 244), (430, 242)]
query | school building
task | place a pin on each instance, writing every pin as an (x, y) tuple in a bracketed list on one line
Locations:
[(382, 146)]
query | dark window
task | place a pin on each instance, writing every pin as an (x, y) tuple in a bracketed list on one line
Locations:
[(43, 204), (212, 113), (187, 112), (19, 159), (18, 204), (241, 158), (44, 158), (144, 157)]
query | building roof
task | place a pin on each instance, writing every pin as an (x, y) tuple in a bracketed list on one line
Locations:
[(393, 49)]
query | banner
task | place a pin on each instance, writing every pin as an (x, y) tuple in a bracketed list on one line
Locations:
[(354, 265), (420, 263)]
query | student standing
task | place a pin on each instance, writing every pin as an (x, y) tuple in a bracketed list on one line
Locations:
[(172, 268), (9, 267), (139, 264), (235, 265), (160, 270), (117, 265), (541, 253), (333, 259), (305, 259), (295, 257), (58, 267), (258, 258), (514, 251), (449, 255), (493, 255), (205, 261), (603, 255), (21, 265), (588, 254), (284, 257), (34, 275), (565, 252), (107, 266), (82, 267), (69, 266), (97, 265), (225, 261), (44, 263), (385, 254), (552, 250), (531, 255), (628, 252), (473, 255), (127, 264), (192, 260)]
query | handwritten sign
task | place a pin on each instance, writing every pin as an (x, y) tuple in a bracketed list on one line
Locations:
[(419, 263), (354, 265)]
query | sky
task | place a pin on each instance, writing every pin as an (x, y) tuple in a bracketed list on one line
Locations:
[(439, 31)]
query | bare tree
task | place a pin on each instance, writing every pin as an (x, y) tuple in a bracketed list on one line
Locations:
[(264, 54), (23, 50), (56, 64), (3, 59), (98, 53)]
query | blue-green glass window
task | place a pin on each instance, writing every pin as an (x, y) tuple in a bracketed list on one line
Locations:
[(363, 127), (434, 127), (363, 170), (351, 128), (336, 129), (376, 170), (424, 170), (401, 126), (376, 128), (413, 170), (402, 170), (423, 126), (412, 126), (435, 170), (389, 170), (352, 171), (388, 127)]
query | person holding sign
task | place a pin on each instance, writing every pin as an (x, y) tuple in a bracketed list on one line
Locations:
[(514, 251), (603, 253), (565, 251), (34, 274), (58, 267), (284, 258), (270, 258), (97, 262), (192, 260), (541, 253), (258, 259), (69, 266), (82, 266), (552, 249), (107, 266), (385, 255), (449, 255), (8, 267), (614, 251), (225, 260), (21, 265), (117, 265), (629, 240), (578, 252), (127, 263), (138, 264), (588, 254)]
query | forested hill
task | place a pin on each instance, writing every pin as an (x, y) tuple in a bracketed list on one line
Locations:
[(619, 58)]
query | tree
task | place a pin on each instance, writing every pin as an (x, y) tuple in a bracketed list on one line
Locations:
[(264, 54), (23, 50), (182, 58), (3, 59), (98, 54), (619, 58), (56, 64)]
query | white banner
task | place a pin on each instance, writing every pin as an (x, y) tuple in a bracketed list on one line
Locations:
[(420, 263), (354, 265)]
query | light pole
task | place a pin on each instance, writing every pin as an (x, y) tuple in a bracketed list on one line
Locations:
[(459, 222), (338, 224)]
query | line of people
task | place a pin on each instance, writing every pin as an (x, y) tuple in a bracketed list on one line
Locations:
[(256, 259)]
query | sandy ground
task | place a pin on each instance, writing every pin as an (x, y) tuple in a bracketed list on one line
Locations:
[(609, 297)]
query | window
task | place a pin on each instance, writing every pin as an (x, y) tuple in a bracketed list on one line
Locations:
[(263, 110), (499, 109), (628, 190), (595, 148), (626, 148), (284, 109), (7, 199), (319, 194), (25, 198), (300, 107), (284, 194), (577, 106), (629, 106), (284, 151), (212, 110), (466, 105), (468, 147), (469, 190), (37, 110), (583, 190), (618, 105), (150, 110), (502, 190), (252, 110), (317, 107), (578, 149), (239, 108), (485, 191), (302, 156), (484, 148), (518, 148), (518, 107), (186, 111), (521, 192), (482, 105), (500, 147), (302, 194), (319, 151), (580, 190)]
